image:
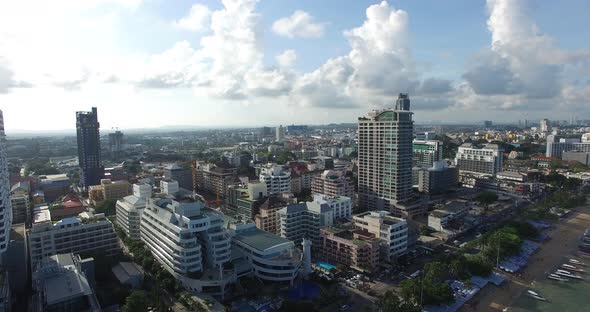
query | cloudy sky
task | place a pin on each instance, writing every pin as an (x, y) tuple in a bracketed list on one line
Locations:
[(153, 63)]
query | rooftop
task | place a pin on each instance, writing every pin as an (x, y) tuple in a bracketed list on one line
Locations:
[(259, 239)]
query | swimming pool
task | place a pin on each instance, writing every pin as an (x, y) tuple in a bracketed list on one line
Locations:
[(325, 265)]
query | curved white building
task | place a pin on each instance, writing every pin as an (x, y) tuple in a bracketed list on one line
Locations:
[(129, 209), (5, 206), (277, 179), (269, 257)]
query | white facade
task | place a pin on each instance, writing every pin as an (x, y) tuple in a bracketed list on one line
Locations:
[(188, 239), (392, 231), (487, 160), (280, 133), (270, 257), (304, 220), (86, 233), (5, 206), (129, 209), (169, 187), (341, 206), (277, 179)]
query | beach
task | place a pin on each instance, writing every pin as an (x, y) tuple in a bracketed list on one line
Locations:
[(563, 243)]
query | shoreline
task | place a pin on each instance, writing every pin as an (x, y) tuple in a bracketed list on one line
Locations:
[(562, 243)]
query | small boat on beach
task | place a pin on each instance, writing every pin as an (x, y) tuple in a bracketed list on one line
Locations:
[(535, 295), (571, 268), (583, 254), (576, 262), (556, 277), (567, 274)]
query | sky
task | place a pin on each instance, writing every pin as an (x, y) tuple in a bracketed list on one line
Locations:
[(234, 63)]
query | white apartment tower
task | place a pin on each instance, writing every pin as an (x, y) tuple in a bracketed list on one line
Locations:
[(385, 156), (280, 133), (129, 209), (486, 160), (277, 179), (5, 205), (392, 231)]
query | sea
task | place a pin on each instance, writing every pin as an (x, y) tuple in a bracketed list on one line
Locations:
[(567, 296)]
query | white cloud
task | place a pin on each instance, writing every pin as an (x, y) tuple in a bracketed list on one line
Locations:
[(299, 24), (287, 58), (197, 18)]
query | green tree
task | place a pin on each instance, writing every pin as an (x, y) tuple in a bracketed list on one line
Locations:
[(486, 198), (108, 207), (136, 302), (389, 302)]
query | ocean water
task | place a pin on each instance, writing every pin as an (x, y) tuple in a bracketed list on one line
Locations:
[(563, 296)]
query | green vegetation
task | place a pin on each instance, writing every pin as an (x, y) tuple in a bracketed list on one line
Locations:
[(486, 198), (425, 230), (430, 289), (40, 166), (108, 207), (558, 202), (389, 302), (136, 302)]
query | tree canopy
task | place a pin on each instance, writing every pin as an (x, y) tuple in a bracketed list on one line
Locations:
[(136, 302)]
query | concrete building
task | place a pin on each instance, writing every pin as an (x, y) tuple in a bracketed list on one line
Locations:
[(130, 208), (169, 187), (277, 179), (88, 137), (385, 156), (357, 249), (544, 125), (581, 157), (268, 218), (54, 186), (128, 274), (280, 133), (116, 144), (392, 231), (427, 152), (267, 256), (341, 206), (438, 179), (190, 242), (108, 190), (184, 176), (86, 233), (61, 283), (323, 162), (20, 207), (333, 183), (304, 220), (486, 160), (244, 201), (214, 180), (556, 145), (5, 203)]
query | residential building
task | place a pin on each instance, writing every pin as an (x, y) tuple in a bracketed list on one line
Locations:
[(280, 133), (323, 162), (130, 208), (184, 176), (69, 205), (427, 152), (304, 220), (5, 203), (486, 160), (333, 183), (61, 283), (352, 248), (108, 190), (214, 180), (244, 201), (341, 206), (556, 145), (128, 274), (86, 233), (116, 144), (20, 207), (392, 231), (268, 218), (307, 178), (267, 256), (581, 157), (277, 179), (190, 241), (88, 137), (54, 186), (447, 218), (169, 187), (438, 179), (385, 156), (544, 125)]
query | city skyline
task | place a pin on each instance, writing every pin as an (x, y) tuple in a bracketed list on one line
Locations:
[(148, 65)]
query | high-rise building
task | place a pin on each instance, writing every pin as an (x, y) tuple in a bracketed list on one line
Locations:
[(280, 133), (427, 152), (5, 205), (544, 125), (88, 133), (277, 179), (487, 160), (385, 156), (556, 145), (116, 144), (333, 183), (304, 221), (129, 209), (184, 176), (487, 123)]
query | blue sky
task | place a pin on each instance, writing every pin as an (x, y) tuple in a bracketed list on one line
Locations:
[(152, 63)]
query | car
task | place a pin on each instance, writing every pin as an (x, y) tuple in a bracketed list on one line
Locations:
[(344, 307)]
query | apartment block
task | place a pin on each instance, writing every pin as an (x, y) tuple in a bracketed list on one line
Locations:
[(130, 208), (392, 231), (277, 178), (357, 249), (108, 190), (486, 160), (341, 206), (333, 183), (304, 220), (427, 152), (214, 180)]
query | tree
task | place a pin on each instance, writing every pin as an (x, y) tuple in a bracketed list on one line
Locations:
[(486, 198), (108, 207), (389, 302), (136, 302)]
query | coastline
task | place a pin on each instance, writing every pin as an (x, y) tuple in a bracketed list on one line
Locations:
[(563, 243)]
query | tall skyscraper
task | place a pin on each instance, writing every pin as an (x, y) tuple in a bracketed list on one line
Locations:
[(544, 125), (385, 156), (88, 132), (116, 144), (280, 133), (5, 205)]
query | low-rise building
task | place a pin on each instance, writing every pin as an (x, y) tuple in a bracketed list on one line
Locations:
[(61, 283), (277, 178), (129, 274), (341, 206), (357, 249), (108, 190), (54, 186), (441, 218), (214, 180), (129, 210), (86, 233), (244, 200), (392, 231), (267, 256)]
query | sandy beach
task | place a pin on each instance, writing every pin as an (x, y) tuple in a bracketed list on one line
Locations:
[(563, 243)]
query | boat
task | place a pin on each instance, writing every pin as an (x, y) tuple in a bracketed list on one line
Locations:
[(571, 268), (577, 262), (567, 274), (557, 278), (535, 295), (583, 254)]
